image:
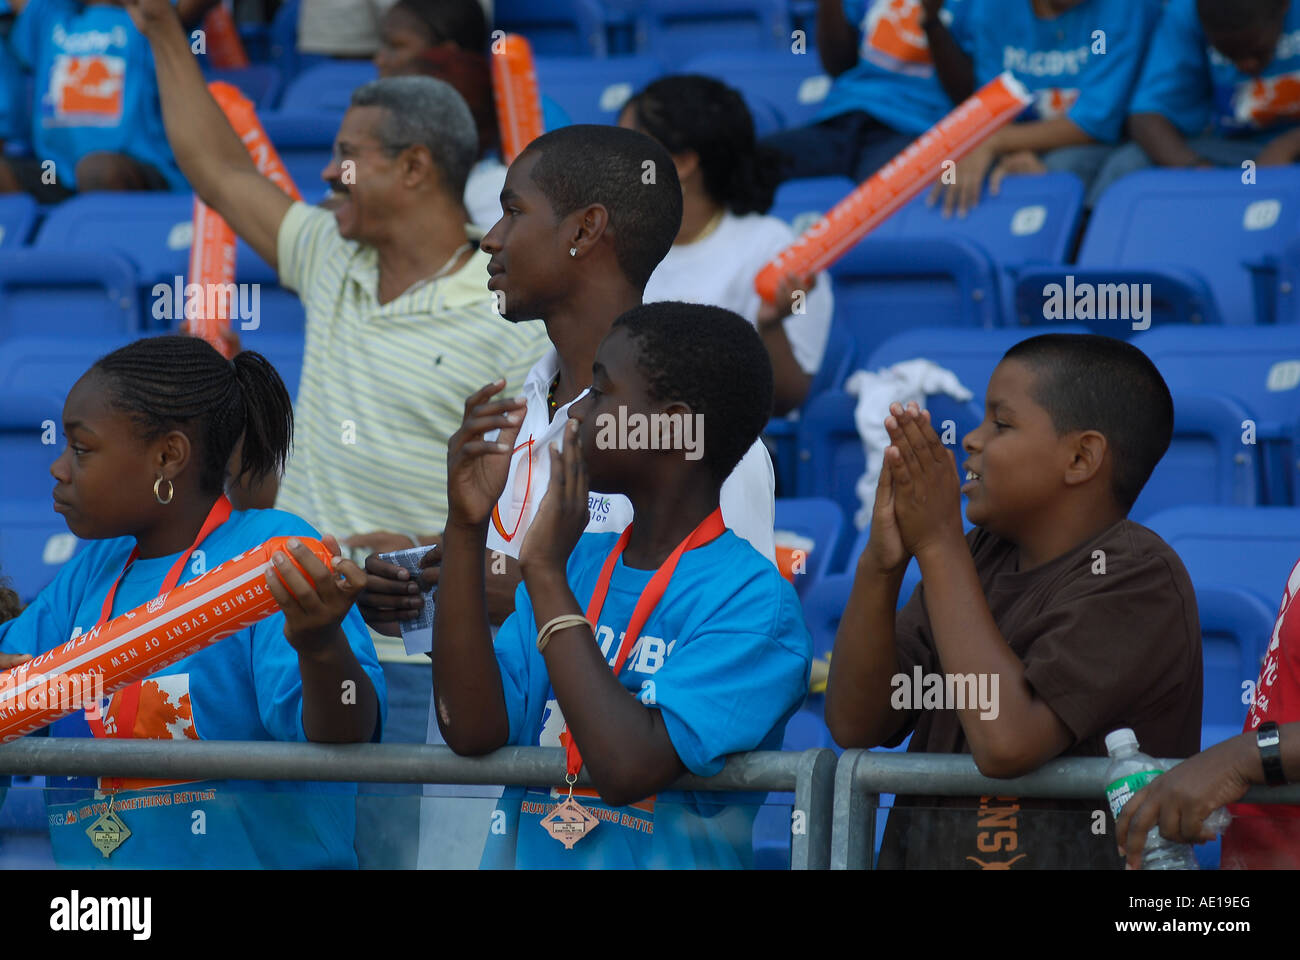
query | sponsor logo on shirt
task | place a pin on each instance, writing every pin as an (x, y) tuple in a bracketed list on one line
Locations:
[(598, 507), (87, 90), (1044, 63), (891, 31), (88, 41), (1265, 100), (1054, 102)]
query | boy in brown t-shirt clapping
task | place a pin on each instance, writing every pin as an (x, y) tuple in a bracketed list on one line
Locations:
[(1053, 622)]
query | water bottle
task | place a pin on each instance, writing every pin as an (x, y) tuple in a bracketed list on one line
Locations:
[(1130, 770)]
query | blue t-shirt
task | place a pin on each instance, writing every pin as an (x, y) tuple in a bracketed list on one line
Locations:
[(724, 657), (95, 87), (894, 79), (245, 687), (1200, 91), (1061, 61)]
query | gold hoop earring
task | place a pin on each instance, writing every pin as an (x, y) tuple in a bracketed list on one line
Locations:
[(171, 491)]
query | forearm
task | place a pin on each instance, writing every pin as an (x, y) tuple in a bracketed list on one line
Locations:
[(1040, 136), (204, 144), (622, 741), (1162, 141), (790, 382), (864, 660), (467, 686), (968, 642), (837, 39), (953, 66), (339, 703)]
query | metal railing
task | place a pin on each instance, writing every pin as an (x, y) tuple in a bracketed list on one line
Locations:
[(861, 776), (810, 774)]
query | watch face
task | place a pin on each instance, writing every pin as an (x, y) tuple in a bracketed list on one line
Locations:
[(1269, 739)]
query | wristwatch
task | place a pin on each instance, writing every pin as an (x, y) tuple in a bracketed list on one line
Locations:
[(1270, 753)]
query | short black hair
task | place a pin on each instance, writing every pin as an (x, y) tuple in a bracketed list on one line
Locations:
[(689, 112), (1233, 16), (463, 22), (182, 383), (1091, 382), (712, 360), (627, 173)]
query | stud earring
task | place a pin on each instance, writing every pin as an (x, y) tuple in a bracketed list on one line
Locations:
[(573, 251)]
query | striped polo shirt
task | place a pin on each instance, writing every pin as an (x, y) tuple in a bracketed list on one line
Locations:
[(383, 386)]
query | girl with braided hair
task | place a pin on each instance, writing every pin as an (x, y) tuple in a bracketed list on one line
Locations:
[(150, 430)]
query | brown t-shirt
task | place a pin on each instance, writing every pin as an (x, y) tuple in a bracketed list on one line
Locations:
[(1119, 648)]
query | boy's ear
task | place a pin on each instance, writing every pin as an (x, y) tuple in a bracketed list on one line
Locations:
[(1087, 456), (592, 223)]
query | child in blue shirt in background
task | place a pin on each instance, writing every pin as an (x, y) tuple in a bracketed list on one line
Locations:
[(1221, 86), (1079, 59), (150, 429), (885, 92), (723, 659), (95, 112)]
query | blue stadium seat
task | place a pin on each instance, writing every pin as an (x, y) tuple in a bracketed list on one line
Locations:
[(822, 522), (883, 285), (327, 87), (1199, 237), (1032, 221), (823, 605), (17, 217), (283, 41), (280, 311), (556, 28), (152, 230), (970, 354), (801, 203), (305, 143), (260, 82), (34, 540), (1259, 366), (1254, 548), (594, 91), (75, 293), (794, 84), (1236, 626), (37, 371), (681, 29), (1206, 462), (830, 449)]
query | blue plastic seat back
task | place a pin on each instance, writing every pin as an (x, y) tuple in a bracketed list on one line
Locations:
[(327, 87), (1205, 221), (680, 29), (1253, 548), (594, 91), (823, 605), (1236, 626), (819, 520), (259, 82), (803, 202), (152, 230), (556, 28), (17, 217), (34, 542), (970, 354), (72, 293), (1206, 462), (793, 83)]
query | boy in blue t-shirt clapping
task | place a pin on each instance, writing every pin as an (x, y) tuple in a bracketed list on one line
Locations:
[(646, 654), (1221, 86)]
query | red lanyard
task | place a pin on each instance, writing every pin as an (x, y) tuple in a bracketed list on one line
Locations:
[(528, 485), (710, 528), (130, 702)]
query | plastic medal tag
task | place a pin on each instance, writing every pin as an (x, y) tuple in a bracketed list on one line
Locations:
[(108, 832), (569, 822)]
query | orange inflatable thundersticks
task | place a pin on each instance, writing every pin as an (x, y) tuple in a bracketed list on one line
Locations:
[(514, 86), (970, 124), (212, 248), (78, 674)]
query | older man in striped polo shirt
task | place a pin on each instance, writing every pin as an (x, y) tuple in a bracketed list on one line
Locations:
[(400, 324)]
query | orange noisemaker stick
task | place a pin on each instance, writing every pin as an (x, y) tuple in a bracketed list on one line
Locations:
[(140, 642), (870, 204), (225, 49), (212, 249), (518, 102)]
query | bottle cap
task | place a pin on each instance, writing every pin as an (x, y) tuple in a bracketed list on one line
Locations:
[(1123, 737)]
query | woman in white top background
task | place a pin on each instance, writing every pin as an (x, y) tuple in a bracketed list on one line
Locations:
[(726, 238)]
